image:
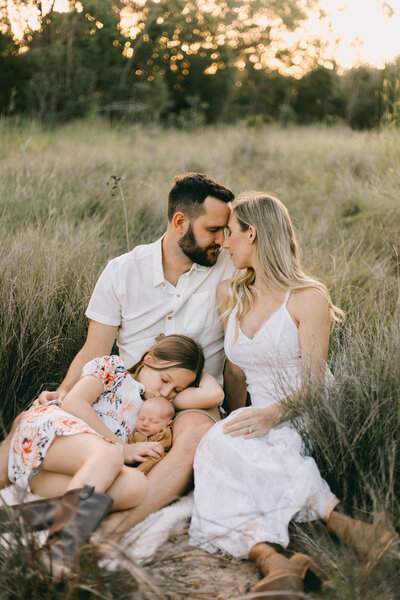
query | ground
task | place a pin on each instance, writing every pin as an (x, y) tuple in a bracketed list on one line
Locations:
[(182, 571)]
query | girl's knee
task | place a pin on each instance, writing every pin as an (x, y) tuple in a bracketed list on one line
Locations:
[(132, 488), (111, 455)]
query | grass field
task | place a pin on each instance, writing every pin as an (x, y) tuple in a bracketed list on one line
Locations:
[(63, 215)]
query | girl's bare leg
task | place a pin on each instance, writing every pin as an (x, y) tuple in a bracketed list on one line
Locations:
[(76, 460)]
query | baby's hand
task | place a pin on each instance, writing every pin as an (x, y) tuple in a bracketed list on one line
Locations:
[(139, 451)]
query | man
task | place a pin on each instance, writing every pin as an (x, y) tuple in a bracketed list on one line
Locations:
[(165, 287)]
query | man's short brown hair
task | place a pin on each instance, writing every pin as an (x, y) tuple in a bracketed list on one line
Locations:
[(189, 192)]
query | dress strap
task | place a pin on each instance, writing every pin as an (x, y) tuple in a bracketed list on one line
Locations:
[(287, 295)]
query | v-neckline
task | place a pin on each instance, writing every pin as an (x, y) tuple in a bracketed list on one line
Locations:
[(262, 324), (283, 305)]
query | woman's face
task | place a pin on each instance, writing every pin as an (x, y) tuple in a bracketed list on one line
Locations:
[(168, 382), (238, 244)]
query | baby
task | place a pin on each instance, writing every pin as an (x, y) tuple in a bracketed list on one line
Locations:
[(153, 425)]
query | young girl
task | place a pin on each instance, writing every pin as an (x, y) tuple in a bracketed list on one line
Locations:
[(56, 449)]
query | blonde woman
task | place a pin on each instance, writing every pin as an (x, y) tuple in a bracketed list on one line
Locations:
[(251, 474)]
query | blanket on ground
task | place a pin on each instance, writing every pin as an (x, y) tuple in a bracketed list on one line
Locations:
[(143, 540)]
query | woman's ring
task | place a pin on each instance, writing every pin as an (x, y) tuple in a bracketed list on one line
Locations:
[(250, 429)]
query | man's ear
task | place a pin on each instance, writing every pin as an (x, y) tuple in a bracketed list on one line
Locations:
[(180, 222), (252, 234)]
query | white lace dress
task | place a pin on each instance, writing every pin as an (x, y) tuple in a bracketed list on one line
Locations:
[(248, 490)]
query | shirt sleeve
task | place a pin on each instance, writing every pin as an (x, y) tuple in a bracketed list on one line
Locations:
[(104, 305), (110, 370)]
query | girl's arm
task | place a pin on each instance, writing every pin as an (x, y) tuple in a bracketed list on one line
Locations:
[(207, 395), (79, 402), (310, 311)]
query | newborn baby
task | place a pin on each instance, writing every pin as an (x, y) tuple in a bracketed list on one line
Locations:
[(153, 425)]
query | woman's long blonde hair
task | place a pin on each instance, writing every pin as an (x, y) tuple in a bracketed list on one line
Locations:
[(277, 253)]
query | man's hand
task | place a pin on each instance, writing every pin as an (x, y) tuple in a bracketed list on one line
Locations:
[(45, 397), (139, 451)]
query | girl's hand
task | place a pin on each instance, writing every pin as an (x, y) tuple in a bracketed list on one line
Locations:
[(254, 422), (46, 397), (141, 450)]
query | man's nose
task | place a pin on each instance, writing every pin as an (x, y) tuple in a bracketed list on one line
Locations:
[(219, 237), (225, 243)]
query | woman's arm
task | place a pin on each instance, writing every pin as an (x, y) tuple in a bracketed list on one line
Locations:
[(79, 402), (207, 395), (235, 386), (310, 311)]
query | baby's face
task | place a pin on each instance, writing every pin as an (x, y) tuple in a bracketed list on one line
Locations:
[(152, 417)]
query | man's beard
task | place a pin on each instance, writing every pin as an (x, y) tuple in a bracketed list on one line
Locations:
[(189, 246)]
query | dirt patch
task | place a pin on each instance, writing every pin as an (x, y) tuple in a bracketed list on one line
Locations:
[(182, 571)]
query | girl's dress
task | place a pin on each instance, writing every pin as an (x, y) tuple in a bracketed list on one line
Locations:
[(118, 407), (248, 490)]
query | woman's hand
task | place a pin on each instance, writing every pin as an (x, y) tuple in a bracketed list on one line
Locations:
[(139, 451), (254, 422)]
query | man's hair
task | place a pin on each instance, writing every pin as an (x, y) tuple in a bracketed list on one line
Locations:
[(189, 192)]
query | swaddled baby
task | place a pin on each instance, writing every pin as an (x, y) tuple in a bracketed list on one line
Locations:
[(153, 425)]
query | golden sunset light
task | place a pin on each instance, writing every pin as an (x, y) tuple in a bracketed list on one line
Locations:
[(354, 31), (359, 31)]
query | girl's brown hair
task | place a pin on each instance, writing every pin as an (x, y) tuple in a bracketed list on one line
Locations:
[(179, 351)]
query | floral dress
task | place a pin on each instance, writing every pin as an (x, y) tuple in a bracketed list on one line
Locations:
[(118, 407)]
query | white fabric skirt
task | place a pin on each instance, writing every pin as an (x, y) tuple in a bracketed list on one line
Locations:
[(247, 491)]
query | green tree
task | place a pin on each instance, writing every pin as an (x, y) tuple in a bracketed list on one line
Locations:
[(319, 96), (362, 87), (201, 48)]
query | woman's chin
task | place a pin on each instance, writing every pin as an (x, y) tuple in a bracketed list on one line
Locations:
[(237, 263)]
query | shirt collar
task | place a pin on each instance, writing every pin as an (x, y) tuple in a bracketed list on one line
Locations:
[(158, 273)]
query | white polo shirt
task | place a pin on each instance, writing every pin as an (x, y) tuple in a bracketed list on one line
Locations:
[(133, 294)]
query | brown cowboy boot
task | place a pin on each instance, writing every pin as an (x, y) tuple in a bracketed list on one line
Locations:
[(282, 574), (36, 514), (79, 513), (369, 540)]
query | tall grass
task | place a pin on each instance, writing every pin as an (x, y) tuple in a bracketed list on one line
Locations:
[(60, 222)]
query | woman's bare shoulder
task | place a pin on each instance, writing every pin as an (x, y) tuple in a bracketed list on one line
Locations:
[(308, 301), (223, 288)]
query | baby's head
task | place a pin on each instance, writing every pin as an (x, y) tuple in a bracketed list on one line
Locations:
[(155, 414)]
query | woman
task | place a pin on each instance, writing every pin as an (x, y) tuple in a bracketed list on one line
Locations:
[(251, 474)]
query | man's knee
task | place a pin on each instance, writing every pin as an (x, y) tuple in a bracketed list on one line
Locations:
[(188, 431)]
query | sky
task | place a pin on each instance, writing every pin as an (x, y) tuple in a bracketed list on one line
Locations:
[(356, 31), (366, 30)]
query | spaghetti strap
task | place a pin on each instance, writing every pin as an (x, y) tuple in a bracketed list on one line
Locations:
[(287, 295)]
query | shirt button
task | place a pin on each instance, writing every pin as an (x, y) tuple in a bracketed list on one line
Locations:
[(178, 295), (170, 317), (163, 283)]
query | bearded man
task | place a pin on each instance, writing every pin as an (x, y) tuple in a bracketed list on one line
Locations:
[(167, 287)]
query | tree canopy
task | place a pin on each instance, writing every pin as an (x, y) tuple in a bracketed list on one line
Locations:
[(174, 60)]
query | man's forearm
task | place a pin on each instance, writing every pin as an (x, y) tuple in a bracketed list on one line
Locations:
[(4, 451), (75, 369), (235, 387), (99, 342)]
